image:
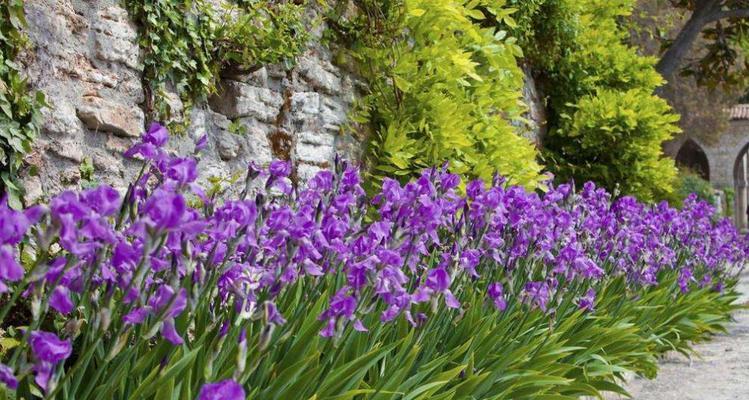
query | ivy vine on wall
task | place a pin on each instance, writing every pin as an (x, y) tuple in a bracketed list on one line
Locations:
[(20, 116), (188, 44)]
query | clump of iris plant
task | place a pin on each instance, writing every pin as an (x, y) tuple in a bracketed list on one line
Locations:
[(130, 291)]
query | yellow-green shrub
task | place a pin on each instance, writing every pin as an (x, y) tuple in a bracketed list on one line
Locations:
[(443, 88), (606, 124), (613, 138)]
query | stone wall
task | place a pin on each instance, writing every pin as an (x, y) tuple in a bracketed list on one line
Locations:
[(728, 164), (84, 56), (722, 155)]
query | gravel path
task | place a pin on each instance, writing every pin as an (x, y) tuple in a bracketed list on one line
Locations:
[(720, 372)]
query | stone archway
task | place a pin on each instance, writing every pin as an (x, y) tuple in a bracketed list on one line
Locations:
[(741, 187), (692, 157)]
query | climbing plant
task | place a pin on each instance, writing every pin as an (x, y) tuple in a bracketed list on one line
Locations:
[(189, 43), (442, 88), (20, 107)]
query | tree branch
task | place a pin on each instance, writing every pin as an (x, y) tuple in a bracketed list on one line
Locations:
[(672, 58)]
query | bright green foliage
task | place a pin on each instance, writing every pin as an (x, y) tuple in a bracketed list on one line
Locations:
[(87, 169), (606, 124), (19, 107), (442, 89), (613, 138), (188, 43), (264, 32)]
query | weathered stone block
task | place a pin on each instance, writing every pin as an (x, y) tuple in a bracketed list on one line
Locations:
[(102, 115), (332, 115), (316, 138), (236, 99), (305, 104), (61, 120), (257, 148), (305, 172), (68, 148), (228, 147), (313, 71), (314, 154), (116, 39)]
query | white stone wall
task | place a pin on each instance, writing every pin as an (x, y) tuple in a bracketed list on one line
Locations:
[(84, 56)]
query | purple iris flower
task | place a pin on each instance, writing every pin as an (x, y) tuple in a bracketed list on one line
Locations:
[(496, 293), (43, 373), (49, 348), (136, 316), (60, 300), (343, 306), (685, 276), (10, 269), (165, 296), (470, 260), (7, 377), (146, 150), (588, 301), (538, 294), (390, 257), (201, 143), (14, 224), (280, 169), (272, 314), (474, 188), (329, 329), (165, 303), (165, 209), (449, 181), (321, 182), (183, 170), (169, 332), (438, 280), (156, 135), (104, 199), (224, 390)]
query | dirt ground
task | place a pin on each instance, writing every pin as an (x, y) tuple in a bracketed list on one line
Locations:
[(720, 373)]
